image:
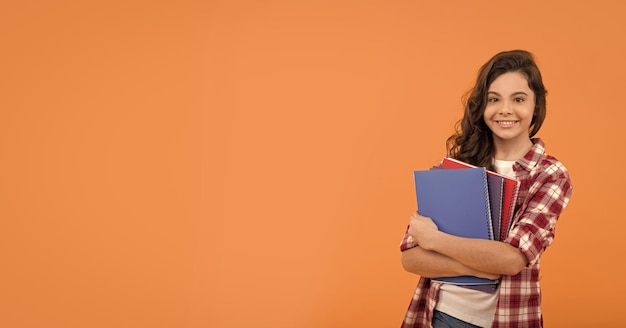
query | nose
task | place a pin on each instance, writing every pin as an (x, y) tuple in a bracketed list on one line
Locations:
[(506, 108)]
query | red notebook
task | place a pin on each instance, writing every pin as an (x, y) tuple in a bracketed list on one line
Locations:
[(511, 188)]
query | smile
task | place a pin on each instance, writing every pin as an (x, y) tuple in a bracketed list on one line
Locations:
[(505, 124)]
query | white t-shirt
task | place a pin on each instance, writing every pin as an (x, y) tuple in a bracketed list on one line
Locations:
[(505, 167), (473, 306)]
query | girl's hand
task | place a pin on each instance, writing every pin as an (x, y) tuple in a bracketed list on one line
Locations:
[(422, 230)]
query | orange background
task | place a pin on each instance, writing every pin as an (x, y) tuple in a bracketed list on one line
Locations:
[(249, 163)]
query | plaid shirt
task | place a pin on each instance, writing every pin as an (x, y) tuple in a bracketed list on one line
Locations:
[(544, 192)]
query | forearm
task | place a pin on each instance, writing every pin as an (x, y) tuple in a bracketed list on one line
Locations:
[(430, 264), (479, 254)]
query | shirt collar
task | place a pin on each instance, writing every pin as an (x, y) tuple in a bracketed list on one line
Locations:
[(533, 156)]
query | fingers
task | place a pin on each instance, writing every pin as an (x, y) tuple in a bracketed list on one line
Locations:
[(417, 216)]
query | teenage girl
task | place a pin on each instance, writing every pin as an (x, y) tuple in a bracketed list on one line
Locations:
[(503, 112)]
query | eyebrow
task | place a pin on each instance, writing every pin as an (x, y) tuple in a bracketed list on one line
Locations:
[(514, 93)]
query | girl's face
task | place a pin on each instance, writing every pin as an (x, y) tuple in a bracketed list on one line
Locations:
[(510, 108)]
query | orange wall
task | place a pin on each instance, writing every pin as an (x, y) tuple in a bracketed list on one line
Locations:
[(249, 163)]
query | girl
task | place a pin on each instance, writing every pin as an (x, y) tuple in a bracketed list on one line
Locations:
[(503, 112)]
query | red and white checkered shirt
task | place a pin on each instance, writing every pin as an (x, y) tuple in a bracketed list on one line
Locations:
[(544, 192)]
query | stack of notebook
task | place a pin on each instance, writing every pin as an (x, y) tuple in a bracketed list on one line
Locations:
[(467, 201)]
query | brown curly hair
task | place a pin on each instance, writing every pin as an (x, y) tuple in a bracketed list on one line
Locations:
[(473, 141)]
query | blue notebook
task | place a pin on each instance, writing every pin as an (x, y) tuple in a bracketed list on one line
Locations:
[(458, 202), (495, 186)]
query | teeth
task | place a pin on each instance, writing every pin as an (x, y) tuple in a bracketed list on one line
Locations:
[(506, 122)]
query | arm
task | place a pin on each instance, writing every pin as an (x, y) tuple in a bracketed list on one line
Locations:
[(486, 256), (533, 231), (528, 238), (431, 264)]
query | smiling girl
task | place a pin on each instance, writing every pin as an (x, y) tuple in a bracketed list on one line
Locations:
[(503, 112)]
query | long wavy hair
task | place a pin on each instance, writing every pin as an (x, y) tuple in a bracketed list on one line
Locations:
[(472, 141)]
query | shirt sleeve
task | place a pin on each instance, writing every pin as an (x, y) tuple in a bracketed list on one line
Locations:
[(533, 232), (407, 241)]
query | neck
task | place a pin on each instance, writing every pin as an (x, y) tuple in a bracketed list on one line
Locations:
[(509, 150)]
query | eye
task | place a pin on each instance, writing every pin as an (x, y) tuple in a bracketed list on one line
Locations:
[(492, 99), (519, 99)]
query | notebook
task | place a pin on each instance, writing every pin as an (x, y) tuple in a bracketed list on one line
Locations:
[(496, 191), (509, 195), (458, 202), (495, 186)]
